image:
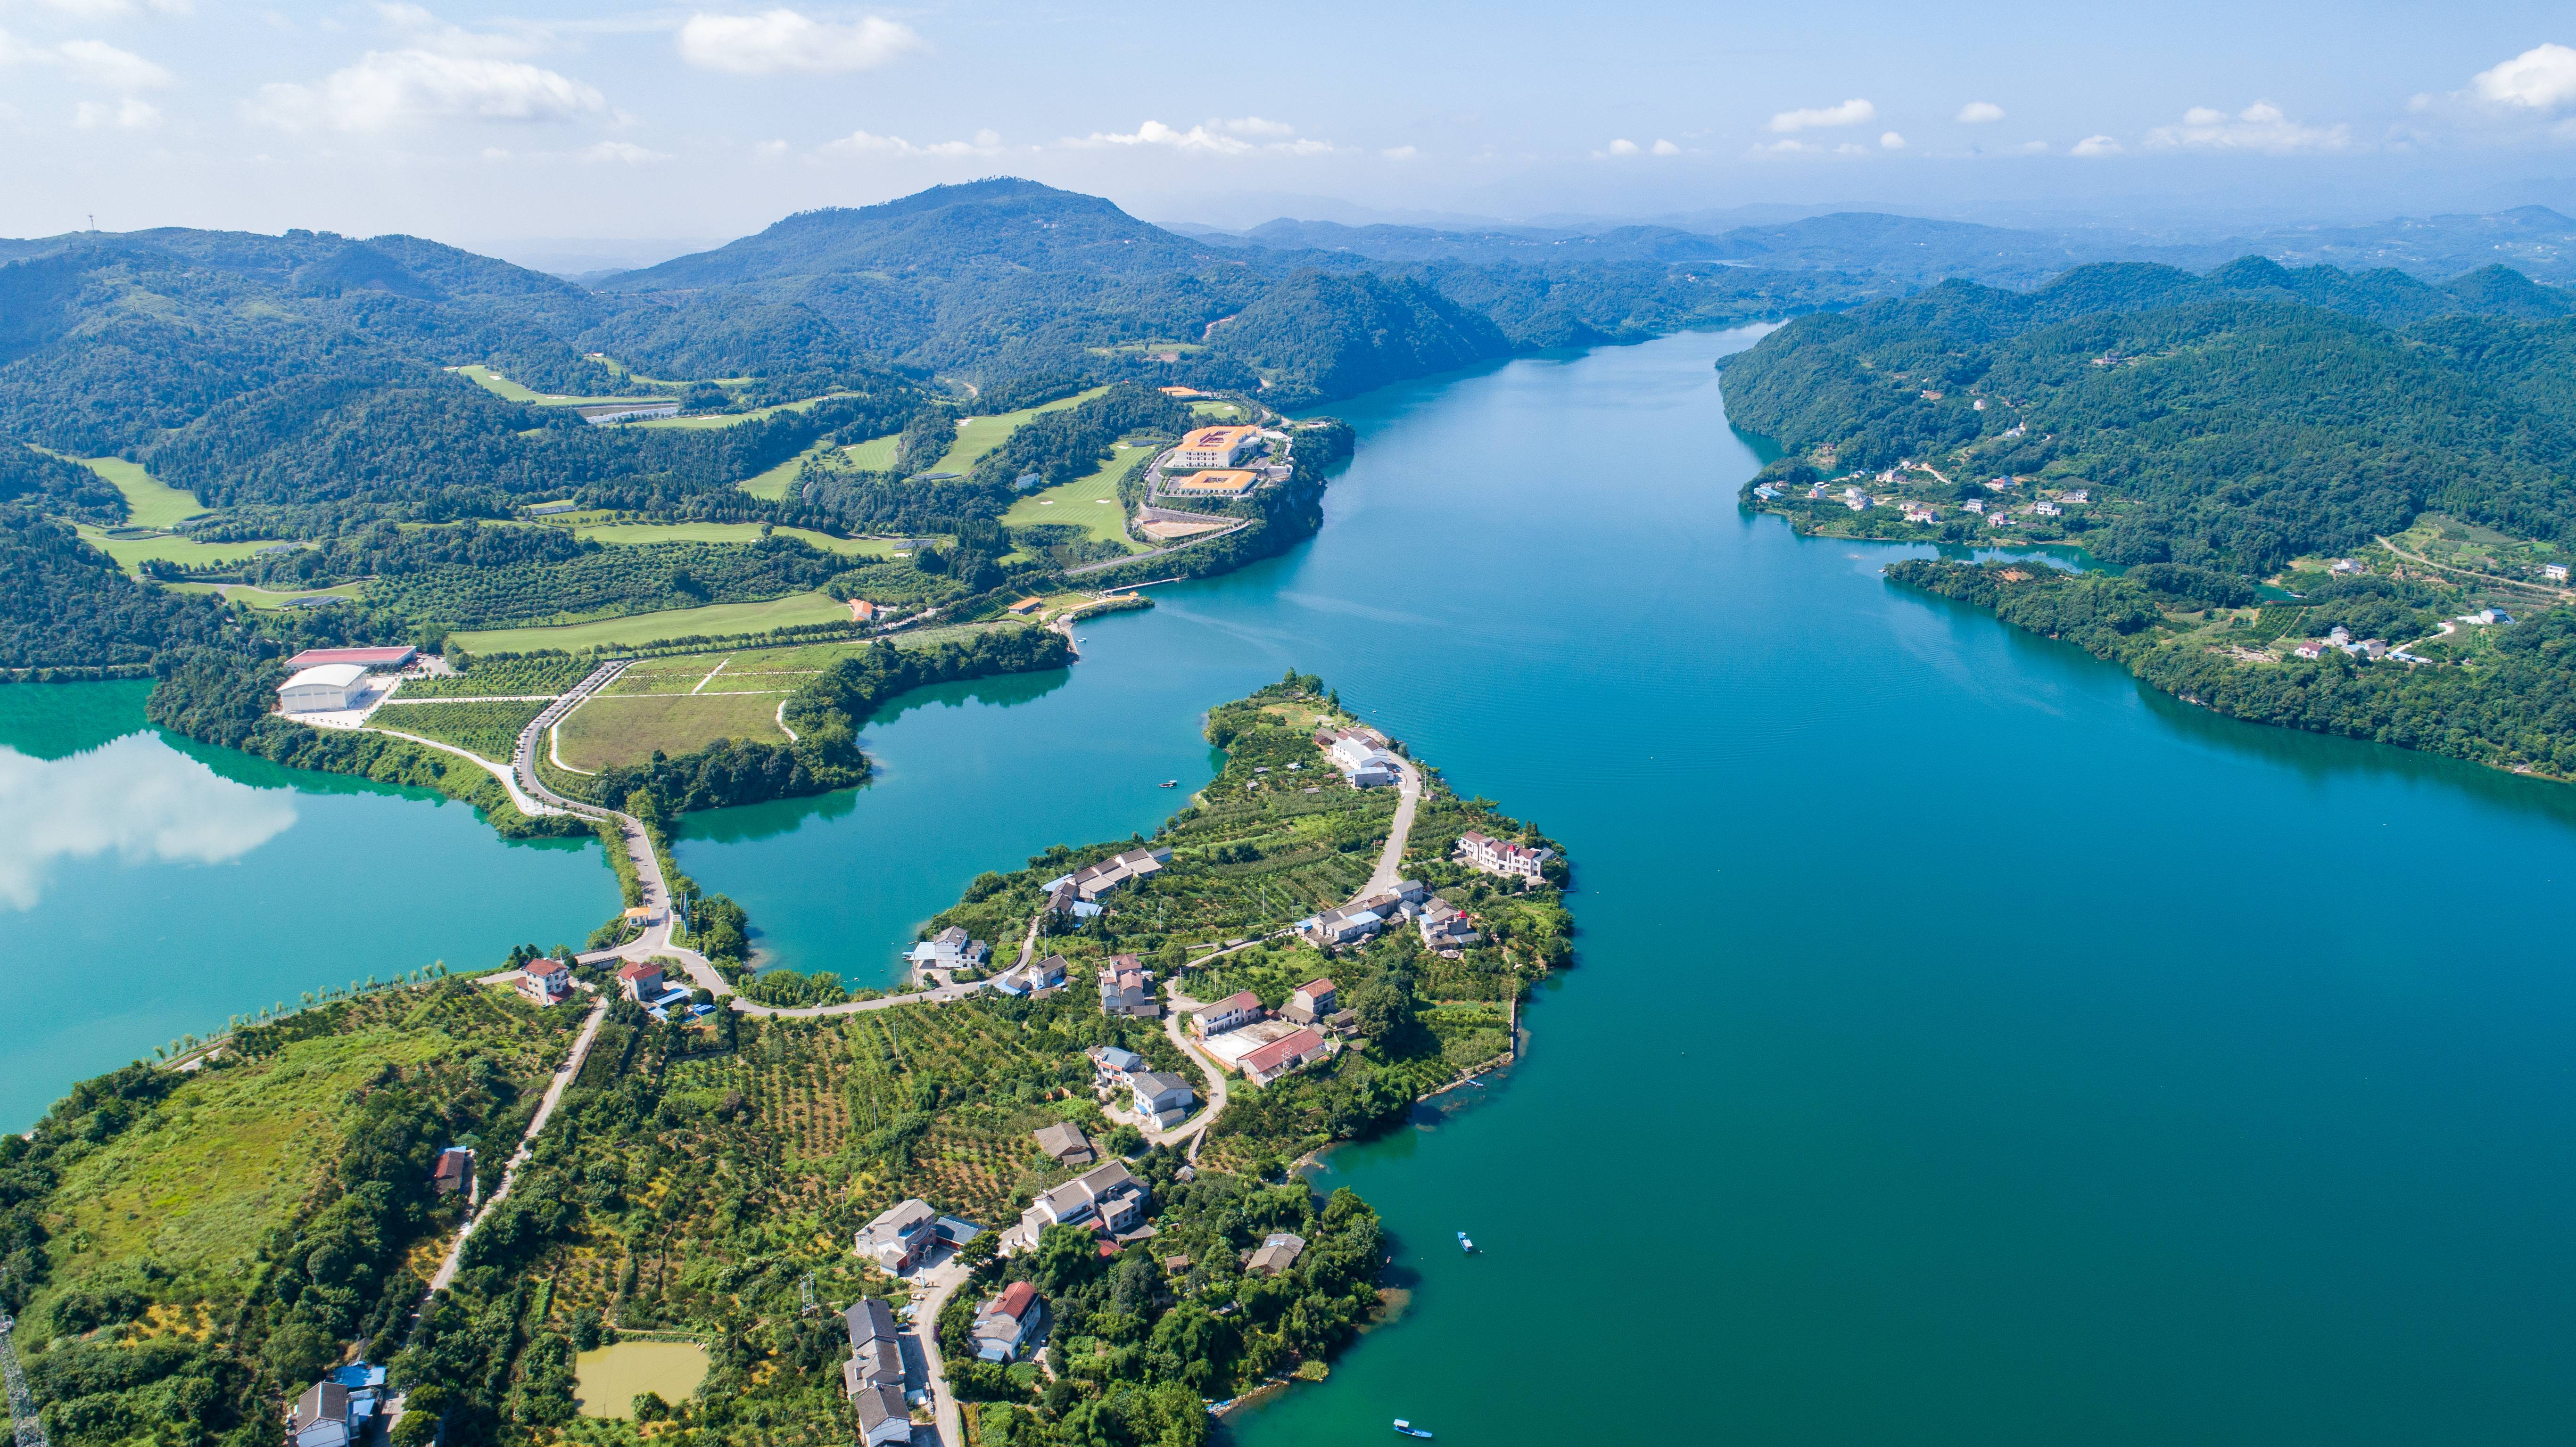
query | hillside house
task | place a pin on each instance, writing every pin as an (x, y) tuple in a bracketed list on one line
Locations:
[(883, 1419), (1278, 1251), (1361, 755), (1310, 1002), (1974, 504), (1113, 1063), (876, 1357), (1215, 447), (1284, 1057), (1444, 926), (1065, 1144), (1005, 1322), (1093, 881), (900, 1237), (640, 981), (1238, 1009), (950, 949), (1106, 1194), (322, 1417), (1162, 1097), (1337, 927), (1127, 988), (2554, 572), (1500, 856), (2046, 509), (1037, 977), (2078, 495), (454, 1171), (546, 981)]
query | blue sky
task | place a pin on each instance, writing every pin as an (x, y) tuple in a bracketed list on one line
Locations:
[(487, 124)]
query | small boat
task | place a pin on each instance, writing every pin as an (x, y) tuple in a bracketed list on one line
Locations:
[(1408, 1429), (1466, 1245), (1169, 784)]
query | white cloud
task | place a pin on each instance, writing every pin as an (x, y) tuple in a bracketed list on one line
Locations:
[(775, 42), (136, 798), (1666, 148), (2542, 78), (1256, 126), (130, 114), (388, 88), (619, 151), (1980, 112), (1891, 141), (1622, 147), (1210, 138), (770, 150), (1849, 113), (1400, 153), (2259, 127), (2092, 146), (421, 30), (986, 143), (1787, 148), (88, 62)]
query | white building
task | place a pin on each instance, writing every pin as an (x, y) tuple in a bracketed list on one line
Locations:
[(1238, 1009), (1106, 1193), (900, 1237), (1361, 757), (1215, 446), (1500, 856), (324, 688)]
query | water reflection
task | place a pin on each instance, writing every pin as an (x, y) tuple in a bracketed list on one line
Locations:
[(766, 821), (1002, 689), (133, 797)]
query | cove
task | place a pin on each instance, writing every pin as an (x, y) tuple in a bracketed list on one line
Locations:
[(152, 887), (1966, 1045)]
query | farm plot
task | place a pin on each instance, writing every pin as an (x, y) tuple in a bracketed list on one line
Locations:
[(639, 630), (487, 728), (626, 730), (486, 678)]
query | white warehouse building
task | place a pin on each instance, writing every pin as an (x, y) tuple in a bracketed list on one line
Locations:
[(325, 688)]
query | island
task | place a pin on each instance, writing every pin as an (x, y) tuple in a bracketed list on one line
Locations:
[(1058, 1196)]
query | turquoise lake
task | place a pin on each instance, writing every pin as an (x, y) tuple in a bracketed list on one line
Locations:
[(1966, 1045)]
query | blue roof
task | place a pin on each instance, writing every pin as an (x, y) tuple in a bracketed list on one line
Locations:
[(957, 1231), (358, 1374)]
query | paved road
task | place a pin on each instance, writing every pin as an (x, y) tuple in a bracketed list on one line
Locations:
[(1390, 860), (536, 1127), (527, 805), (943, 1281)]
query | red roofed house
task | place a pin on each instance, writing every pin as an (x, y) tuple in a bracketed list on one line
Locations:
[(1500, 856), (1238, 1009), (1312, 1002), (367, 658), (1005, 1321), (640, 982), (1280, 1057), (545, 980)]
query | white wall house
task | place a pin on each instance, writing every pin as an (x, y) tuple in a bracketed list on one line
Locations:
[(1499, 856), (324, 688), (1215, 446)]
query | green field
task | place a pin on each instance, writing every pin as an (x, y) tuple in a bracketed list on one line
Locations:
[(623, 729), (501, 386), (632, 534), (728, 419), (874, 455), (132, 553), (642, 629), (262, 599), (780, 668), (149, 502), (1080, 502), (979, 435), (772, 485), (1225, 410), (488, 727)]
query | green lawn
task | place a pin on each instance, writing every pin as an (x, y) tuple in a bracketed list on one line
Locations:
[(132, 553), (979, 435), (1226, 410), (638, 533), (728, 419), (772, 485), (874, 455), (642, 629), (150, 502), (501, 386), (626, 729), (1080, 501), (264, 600)]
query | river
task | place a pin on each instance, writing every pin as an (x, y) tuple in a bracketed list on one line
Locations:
[(1965, 1044)]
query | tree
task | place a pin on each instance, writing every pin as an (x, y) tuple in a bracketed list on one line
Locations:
[(298, 1352)]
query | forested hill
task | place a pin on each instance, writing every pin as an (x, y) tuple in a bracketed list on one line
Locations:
[(2233, 420)]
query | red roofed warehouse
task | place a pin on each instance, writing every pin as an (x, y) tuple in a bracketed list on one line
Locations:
[(370, 659)]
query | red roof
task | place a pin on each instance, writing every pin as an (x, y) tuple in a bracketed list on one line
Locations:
[(364, 657), (1239, 1000), (1269, 1057), (638, 970), (544, 966), (1014, 1299), (1316, 989)]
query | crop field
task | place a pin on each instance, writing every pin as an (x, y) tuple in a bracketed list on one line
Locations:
[(488, 728), (642, 629), (626, 729), (638, 534), (1090, 503), (149, 502), (503, 676), (132, 553), (979, 435)]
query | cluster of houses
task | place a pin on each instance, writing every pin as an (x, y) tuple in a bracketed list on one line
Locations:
[(908, 1233), (1078, 894), (1361, 755), (1161, 1097), (874, 1376), (1127, 988), (1360, 920), (2372, 649), (1037, 978), (1107, 1200), (1918, 511), (1486, 855), (339, 1409), (1241, 1033)]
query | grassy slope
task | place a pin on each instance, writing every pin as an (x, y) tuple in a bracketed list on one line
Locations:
[(132, 553), (874, 455), (152, 503), (729, 419), (773, 484), (626, 730), (1080, 502), (979, 435), (504, 387), (632, 534), (641, 629)]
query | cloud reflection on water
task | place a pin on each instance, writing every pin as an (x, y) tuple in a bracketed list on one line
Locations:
[(137, 797)]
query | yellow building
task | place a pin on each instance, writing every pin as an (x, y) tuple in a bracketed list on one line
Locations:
[(1215, 446), (1224, 482)]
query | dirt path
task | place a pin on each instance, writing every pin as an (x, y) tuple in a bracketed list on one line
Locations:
[(527, 1141), (2541, 588)]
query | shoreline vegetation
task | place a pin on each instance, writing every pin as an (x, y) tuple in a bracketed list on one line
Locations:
[(2366, 541), (698, 1179)]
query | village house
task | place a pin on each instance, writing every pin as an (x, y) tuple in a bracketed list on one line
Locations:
[(1498, 856), (545, 980), (1215, 447), (1037, 977), (1283, 1056), (1337, 927), (2310, 649), (1162, 1097), (1005, 1322), (1106, 1193), (1916, 512), (901, 1237), (1065, 1144), (1444, 926), (1974, 504), (322, 1417), (873, 1376), (1361, 756), (1095, 880), (640, 981), (454, 1171), (1238, 1009), (950, 949), (1127, 988), (1278, 1251), (2078, 495), (2554, 572), (1113, 1063), (1309, 1002)]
